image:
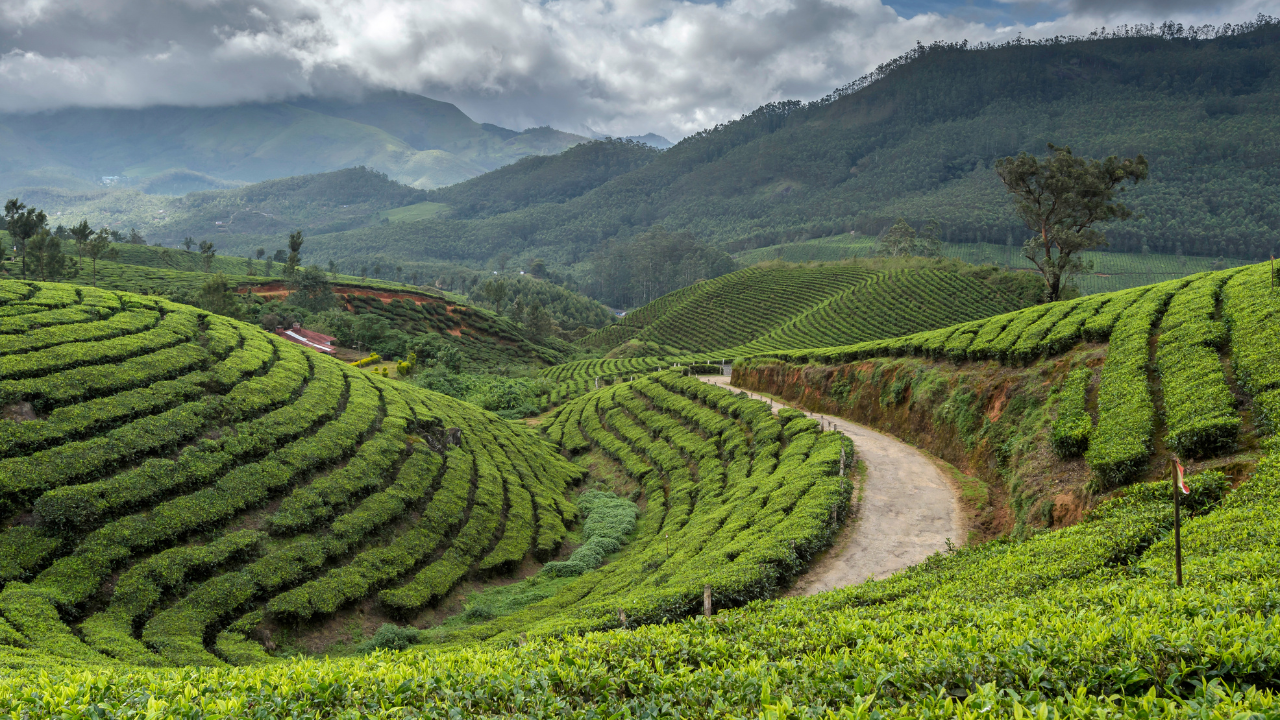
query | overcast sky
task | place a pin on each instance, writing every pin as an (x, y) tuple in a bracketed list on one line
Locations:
[(618, 66)]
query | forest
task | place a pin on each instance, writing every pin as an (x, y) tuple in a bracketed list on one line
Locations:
[(918, 140)]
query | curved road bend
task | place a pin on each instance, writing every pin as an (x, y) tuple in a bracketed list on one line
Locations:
[(908, 511)]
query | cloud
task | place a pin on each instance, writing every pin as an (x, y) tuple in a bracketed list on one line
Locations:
[(618, 66)]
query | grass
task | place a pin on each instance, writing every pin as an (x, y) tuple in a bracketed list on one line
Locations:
[(410, 213)]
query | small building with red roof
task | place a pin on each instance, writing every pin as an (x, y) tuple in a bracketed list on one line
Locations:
[(307, 338)]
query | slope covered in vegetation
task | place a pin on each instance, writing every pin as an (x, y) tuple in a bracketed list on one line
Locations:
[(174, 482), (918, 139), (163, 450), (1081, 622), (793, 306), (1111, 271), (1188, 371)]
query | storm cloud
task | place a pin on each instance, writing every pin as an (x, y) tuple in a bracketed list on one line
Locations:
[(616, 66)]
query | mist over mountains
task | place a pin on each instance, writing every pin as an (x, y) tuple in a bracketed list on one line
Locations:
[(173, 150)]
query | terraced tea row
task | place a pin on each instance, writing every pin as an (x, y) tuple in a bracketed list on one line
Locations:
[(890, 304), (211, 477), (1024, 629), (737, 499), (1200, 410), (732, 309), (482, 336)]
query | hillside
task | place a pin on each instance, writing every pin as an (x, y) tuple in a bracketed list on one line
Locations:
[(544, 179), (171, 150), (173, 482), (1111, 270), (918, 140), (484, 338), (788, 306), (1185, 372), (1084, 621), (259, 214)]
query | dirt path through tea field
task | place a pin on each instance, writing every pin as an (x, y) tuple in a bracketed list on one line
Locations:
[(908, 512)]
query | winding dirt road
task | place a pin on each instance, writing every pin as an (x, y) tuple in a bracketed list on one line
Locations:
[(908, 512)]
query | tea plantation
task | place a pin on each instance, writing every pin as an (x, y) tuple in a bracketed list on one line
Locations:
[(171, 479), (181, 514), (798, 306)]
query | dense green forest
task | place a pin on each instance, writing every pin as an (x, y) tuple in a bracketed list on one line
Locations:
[(545, 178), (918, 140)]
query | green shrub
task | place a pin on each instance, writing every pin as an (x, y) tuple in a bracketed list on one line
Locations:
[(1072, 427)]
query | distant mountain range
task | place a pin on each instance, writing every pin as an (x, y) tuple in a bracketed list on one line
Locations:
[(415, 140), (916, 140)]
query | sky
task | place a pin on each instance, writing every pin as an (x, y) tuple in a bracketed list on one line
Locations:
[(618, 67)]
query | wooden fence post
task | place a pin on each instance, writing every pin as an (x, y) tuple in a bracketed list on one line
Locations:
[(706, 600)]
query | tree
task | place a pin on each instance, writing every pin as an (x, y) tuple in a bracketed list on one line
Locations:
[(369, 329), (100, 248), (333, 270), (248, 264), (450, 358), (207, 251), (295, 256), (36, 245), (1059, 199), (377, 270), (538, 322), (902, 240), (538, 268), (897, 241), (187, 242), (81, 234), (399, 272), (364, 272), (135, 237), (217, 296), (311, 290), (270, 260), (495, 291), (22, 222)]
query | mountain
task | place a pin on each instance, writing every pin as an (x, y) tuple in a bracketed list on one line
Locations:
[(651, 139), (415, 140), (918, 140)]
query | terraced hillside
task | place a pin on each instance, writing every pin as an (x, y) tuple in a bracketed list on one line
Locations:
[(789, 306), (1052, 627), (483, 336), (173, 483), (1111, 270), (172, 479), (1189, 363), (734, 308), (1081, 622)]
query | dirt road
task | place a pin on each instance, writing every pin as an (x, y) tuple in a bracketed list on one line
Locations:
[(908, 511)]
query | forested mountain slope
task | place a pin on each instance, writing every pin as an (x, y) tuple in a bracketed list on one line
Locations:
[(919, 140), (416, 140)]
